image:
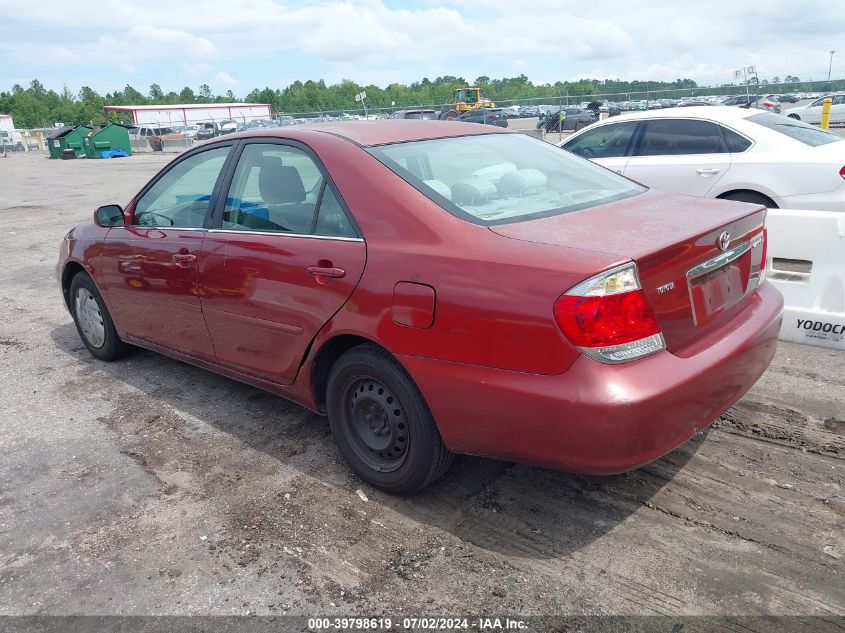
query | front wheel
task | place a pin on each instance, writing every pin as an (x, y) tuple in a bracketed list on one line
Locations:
[(381, 423), (93, 321)]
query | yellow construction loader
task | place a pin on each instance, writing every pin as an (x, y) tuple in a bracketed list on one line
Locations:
[(466, 99)]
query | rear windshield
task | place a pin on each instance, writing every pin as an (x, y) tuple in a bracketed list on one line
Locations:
[(793, 128), (501, 178)]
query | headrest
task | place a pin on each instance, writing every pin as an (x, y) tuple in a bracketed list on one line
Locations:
[(440, 187), (279, 183), (472, 191), (517, 182)]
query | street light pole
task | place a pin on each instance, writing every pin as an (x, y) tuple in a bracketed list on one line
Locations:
[(830, 67)]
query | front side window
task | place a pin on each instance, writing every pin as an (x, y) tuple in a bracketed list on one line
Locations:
[(500, 178), (674, 137), (278, 189), (180, 198), (606, 141)]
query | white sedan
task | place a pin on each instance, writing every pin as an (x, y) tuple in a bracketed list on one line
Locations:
[(812, 112), (722, 152)]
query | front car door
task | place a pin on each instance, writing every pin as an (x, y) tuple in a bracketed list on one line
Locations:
[(687, 156), (608, 145), (150, 265), (282, 257)]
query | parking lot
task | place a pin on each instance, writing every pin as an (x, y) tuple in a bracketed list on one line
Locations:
[(148, 486)]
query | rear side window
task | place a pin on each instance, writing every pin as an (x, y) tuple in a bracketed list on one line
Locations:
[(735, 143), (606, 141), (794, 129), (672, 137), (277, 189)]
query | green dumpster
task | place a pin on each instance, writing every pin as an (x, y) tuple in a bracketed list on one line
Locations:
[(67, 138), (112, 136)]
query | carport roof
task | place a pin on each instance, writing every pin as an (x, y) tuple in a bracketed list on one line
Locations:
[(183, 106)]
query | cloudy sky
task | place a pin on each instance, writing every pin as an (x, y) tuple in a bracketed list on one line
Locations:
[(242, 44)]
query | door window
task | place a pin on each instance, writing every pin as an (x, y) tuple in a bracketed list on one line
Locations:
[(277, 188), (181, 197), (607, 141), (673, 137)]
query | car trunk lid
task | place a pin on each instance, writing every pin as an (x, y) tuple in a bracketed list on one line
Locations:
[(694, 280)]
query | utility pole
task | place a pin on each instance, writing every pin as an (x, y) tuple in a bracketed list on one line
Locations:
[(830, 67)]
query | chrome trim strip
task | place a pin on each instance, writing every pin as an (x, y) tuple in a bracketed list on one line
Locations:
[(720, 260), (281, 234), (159, 227)]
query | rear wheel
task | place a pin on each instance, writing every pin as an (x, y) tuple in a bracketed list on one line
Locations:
[(93, 321), (382, 424), (751, 196), (450, 115)]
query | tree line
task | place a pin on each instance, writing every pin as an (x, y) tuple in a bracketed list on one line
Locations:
[(36, 106)]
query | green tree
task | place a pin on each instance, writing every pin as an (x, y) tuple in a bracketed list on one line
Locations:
[(156, 94)]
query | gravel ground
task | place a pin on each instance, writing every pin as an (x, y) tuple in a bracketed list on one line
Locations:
[(148, 486)]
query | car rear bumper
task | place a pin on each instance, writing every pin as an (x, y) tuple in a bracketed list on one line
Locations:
[(597, 418), (828, 201)]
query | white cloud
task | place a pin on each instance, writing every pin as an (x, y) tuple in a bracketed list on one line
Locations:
[(371, 41), (224, 80)]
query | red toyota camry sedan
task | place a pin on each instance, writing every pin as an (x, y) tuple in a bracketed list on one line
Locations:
[(437, 288)]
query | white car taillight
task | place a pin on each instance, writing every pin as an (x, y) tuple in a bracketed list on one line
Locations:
[(608, 318)]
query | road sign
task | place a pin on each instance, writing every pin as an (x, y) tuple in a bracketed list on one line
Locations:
[(360, 96)]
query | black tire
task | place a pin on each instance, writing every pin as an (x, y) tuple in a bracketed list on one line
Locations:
[(112, 347), (382, 424), (751, 196), (450, 115)]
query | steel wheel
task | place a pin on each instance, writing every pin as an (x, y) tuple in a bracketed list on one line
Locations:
[(378, 430), (90, 319), (381, 423)]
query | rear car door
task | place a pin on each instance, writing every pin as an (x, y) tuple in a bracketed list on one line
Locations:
[(608, 145), (150, 266), (283, 256), (837, 109), (687, 156)]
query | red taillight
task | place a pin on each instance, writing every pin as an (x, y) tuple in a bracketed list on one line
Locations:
[(606, 321), (608, 317), (842, 171)]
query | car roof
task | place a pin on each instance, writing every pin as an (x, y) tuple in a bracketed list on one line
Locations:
[(714, 113), (381, 132)]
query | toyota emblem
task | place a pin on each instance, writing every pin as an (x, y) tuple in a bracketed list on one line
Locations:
[(723, 240)]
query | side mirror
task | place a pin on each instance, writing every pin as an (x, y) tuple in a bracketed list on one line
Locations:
[(109, 215)]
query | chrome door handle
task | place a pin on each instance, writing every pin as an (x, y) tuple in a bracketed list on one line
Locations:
[(319, 271), (708, 172)]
